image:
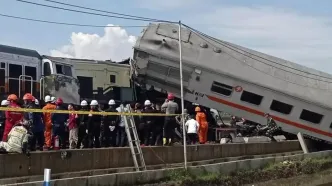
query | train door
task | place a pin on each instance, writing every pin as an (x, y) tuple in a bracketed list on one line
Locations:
[(47, 70), (2, 79), (29, 81)]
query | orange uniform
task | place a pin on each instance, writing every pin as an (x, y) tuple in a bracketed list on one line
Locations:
[(203, 127), (48, 124)]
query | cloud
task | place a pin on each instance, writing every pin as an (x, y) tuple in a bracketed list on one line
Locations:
[(282, 33), (115, 44)]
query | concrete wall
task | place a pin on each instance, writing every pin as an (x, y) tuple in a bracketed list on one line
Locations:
[(134, 178), (16, 165)]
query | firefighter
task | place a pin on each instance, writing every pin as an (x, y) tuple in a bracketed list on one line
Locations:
[(203, 125), (148, 122), (48, 122), (18, 138), (271, 127), (93, 128), (82, 127), (170, 107), (4, 103), (109, 129), (35, 122), (58, 121), (12, 117)]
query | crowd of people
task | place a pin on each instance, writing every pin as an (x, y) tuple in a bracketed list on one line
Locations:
[(30, 131)]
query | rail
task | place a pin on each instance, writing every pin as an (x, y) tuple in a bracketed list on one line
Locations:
[(23, 77)]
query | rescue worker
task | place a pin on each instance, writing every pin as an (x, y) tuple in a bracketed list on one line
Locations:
[(48, 122), (35, 123), (18, 138), (109, 128), (157, 134), (58, 121), (4, 103), (82, 127), (121, 135), (170, 107), (203, 125), (93, 128), (148, 122), (12, 117), (271, 127), (139, 122)]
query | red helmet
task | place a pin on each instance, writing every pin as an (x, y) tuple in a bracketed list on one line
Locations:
[(12, 97), (28, 96), (170, 96), (59, 101)]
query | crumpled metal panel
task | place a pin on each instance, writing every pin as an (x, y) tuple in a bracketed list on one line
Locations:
[(62, 86)]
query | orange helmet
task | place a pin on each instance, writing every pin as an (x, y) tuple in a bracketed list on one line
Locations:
[(12, 97), (197, 109), (28, 96)]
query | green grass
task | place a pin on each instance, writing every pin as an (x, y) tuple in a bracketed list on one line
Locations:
[(280, 170)]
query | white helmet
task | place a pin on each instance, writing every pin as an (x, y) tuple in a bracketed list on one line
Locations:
[(47, 98), (84, 103), (4, 103), (111, 102), (53, 99), (147, 103), (94, 103), (36, 102)]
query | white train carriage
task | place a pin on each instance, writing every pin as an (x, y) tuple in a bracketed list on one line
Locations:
[(235, 79)]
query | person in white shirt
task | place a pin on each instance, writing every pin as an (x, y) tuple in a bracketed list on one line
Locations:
[(192, 127)]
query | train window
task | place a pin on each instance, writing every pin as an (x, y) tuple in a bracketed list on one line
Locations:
[(2, 77), (15, 70), (67, 70), (221, 88), (31, 71), (112, 78), (59, 69), (251, 98), (311, 116), (47, 69), (281, 107), (3, 65), (63, 69)]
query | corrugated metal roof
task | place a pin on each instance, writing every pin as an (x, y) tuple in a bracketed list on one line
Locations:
[(19, 51)]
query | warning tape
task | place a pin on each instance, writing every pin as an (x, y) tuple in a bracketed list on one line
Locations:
[(84, 112)]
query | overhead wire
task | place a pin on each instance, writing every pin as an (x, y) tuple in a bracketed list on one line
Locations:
[(236, 49), (91, 13), (70, 24), (104, 11), (201, 36)]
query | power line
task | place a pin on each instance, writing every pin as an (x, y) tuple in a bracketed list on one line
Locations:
[(236, 49), (91, 13), (104, 11), (70, 24)]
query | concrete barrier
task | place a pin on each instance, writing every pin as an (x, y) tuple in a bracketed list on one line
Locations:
[(135, 178), (18, 165)]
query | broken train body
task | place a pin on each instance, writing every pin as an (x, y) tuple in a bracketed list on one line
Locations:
[(234, 79)]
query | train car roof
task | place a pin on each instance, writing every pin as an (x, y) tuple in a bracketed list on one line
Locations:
[(200, 50), (19, 51)]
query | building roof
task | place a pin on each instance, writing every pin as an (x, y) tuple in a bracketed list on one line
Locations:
[(19, 51), (124, 63)]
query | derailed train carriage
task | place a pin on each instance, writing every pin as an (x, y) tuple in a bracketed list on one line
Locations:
[(234, 79)]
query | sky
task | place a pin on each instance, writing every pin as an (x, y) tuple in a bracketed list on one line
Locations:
[(297, 30)]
